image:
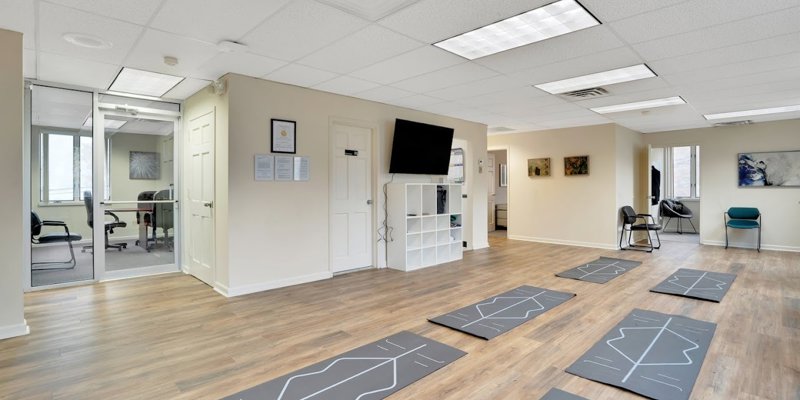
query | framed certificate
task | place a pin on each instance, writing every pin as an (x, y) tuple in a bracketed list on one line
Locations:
[(284, 136)]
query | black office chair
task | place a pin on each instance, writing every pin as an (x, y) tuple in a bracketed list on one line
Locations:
[(671, 208), (164, 217), (629, 218), (146, 216), (109, 225), (56, 237)]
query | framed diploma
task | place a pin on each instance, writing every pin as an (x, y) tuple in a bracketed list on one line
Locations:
[(284, 136)]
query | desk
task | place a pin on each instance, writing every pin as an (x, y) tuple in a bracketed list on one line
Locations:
[(142, 242)]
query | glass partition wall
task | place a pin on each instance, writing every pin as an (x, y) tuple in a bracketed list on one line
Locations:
[(95, 157)]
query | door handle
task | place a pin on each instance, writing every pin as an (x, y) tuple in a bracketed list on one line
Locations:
[(209, 204), (369, 202)]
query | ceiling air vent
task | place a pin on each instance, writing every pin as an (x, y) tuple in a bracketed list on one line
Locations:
[(735, 123), (500, 129), (586, 93)]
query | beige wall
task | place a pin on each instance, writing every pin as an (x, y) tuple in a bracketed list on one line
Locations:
[(574, 210), (277, 232), (780, 207), (631, 178), (12, 319)]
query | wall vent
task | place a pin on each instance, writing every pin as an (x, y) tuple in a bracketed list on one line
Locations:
[(586, 93), (734, 123)]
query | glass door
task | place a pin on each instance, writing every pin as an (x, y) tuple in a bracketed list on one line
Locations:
[(138, 185)]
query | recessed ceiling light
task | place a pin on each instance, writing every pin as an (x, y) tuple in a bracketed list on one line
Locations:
[(750, 113), (640, 105), (145, 83), (619, 75), (555, 19), (109, 123), (88, 41)]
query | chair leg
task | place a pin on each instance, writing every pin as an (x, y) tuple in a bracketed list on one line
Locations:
[(665, 225), (72, 262), (659, 240), (690, 222), (726, 236), (621, 235), (680, 226), (759, 239)]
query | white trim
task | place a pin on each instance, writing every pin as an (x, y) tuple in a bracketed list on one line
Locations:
[(138, 272), (485, 245), (751, 246), (268, 285), (565, 242), (10, 331)]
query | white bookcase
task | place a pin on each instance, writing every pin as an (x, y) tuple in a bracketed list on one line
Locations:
[(425, 232)]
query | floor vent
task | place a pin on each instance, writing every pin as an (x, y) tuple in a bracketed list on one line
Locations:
[(735, 123), (586, 93)]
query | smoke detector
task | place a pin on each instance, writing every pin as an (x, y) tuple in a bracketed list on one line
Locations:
[(171, 61), (87, 41)]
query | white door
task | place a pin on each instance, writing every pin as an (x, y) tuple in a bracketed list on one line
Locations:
[(200, 196), (351, 198)]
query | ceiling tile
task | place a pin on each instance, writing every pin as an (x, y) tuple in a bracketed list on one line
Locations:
[(561, 48), (361, 49), (138, 12), (522, 94), (733, 33), (612, 10), (55, 21), (477, 88), (433, 20), (154, 45), (186, 88), (589, 64), (300, 75), (74, 71), (574, 122), (691, 16), (18, 16), (372, 10), (450, 76), (212, 20), (301, 28), (383, 94), (416, 101), (786, 61), (239, 63), (407, 65), (29, 64), (345, 85)]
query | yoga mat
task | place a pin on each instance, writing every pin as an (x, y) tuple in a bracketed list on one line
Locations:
[(694, 283), (601, 270)]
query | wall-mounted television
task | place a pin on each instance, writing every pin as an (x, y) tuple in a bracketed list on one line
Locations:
[(420, 148)]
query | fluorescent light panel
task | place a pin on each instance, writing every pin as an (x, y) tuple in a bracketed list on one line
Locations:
[(750, 113), (640, 105), (144, 83), (555, 19), (619, 75), (109, 123)]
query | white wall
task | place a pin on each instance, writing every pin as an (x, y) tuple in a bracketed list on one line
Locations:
[(500, 192), (12, 319), (574, 210), (780, 207), (277, 232)]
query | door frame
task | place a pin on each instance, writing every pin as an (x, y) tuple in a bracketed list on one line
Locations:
[(509, 178), (99, 203), (374, 176)]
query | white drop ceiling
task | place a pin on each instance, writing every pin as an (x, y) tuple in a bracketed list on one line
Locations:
[(719, 55)]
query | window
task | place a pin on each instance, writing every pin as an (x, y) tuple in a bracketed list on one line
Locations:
[(455, 173), (685, 171), (66, 167)]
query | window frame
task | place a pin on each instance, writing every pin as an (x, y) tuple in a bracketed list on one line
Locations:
[(44, 166), (694, 172)]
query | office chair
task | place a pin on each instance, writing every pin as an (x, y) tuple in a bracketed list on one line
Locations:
[(38, 238), (164, 217), (109, 225), (629, 218), (675, 209), (146, 217), (742, 218)]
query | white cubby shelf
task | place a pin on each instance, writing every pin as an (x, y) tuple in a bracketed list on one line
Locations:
[(427, 220)]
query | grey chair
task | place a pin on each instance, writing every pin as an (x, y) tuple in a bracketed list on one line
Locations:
[(109, 225), (670, 209), (37, 237), (164, 217), (629, 218)]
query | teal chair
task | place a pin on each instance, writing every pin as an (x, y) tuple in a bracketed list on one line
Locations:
[(743, 218)]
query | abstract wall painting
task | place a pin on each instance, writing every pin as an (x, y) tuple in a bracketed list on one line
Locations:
[(576, 165), (539, 166), (145, 165), (769, 169)]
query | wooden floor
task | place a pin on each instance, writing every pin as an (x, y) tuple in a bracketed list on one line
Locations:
[(171, 337)]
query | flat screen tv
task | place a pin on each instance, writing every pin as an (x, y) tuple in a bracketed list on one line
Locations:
[(420, 148)]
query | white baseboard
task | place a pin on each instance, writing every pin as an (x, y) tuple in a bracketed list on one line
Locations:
[(478, 246), (751, 245), (565, 242), (260, 287), (10, 331)]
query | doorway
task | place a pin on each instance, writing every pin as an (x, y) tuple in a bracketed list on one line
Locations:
[(497, 169), (96, 157)]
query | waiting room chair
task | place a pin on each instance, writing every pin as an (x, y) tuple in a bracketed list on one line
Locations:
[(56, 237), (629, 218), (164, 217), (743, 218), (671, 208), (109, 225)]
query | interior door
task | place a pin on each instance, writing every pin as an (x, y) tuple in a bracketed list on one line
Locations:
[(200, 198), (351, 198), (490, 169)]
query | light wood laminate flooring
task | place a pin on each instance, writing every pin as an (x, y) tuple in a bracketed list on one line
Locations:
[(172, 337)]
